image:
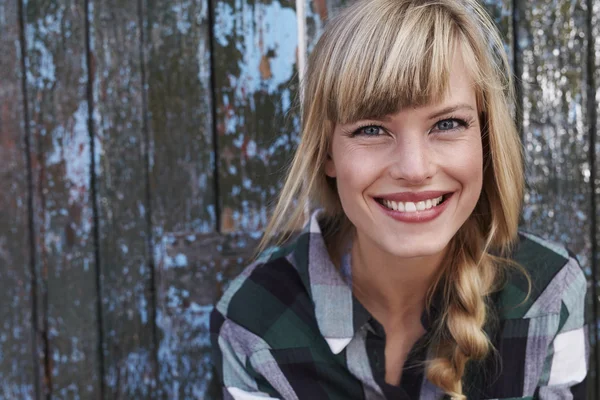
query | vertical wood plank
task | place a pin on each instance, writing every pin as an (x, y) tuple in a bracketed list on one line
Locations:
[(317, 15), (254, 62), (177, 60), (128, 306), (56, 86), (552, 47), (553, 44), (17, 372), (593, 7)]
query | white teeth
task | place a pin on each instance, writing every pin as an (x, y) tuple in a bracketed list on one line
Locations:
[(412, 207)]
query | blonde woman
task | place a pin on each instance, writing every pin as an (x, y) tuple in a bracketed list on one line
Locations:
[(410, 281)]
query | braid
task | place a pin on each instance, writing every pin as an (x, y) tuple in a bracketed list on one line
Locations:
[(460, 336)]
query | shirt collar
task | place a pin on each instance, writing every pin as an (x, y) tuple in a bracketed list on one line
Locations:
[(331, 294)]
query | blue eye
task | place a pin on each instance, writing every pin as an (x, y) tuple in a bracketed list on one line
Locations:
[(450, 124), (371, 130)]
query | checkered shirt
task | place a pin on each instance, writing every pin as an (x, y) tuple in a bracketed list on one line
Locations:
[(289, 327)]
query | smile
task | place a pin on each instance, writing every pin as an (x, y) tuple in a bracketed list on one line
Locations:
[(410, 206), (414, 208)]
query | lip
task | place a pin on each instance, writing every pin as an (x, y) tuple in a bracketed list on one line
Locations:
[(417, 216)]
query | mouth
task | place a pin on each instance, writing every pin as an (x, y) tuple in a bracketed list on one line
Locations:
[(414, 207)]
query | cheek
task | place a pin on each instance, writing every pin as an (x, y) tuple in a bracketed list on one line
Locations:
[(469, 168), (356, 171)]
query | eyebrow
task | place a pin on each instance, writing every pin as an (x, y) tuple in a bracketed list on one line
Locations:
[(451, 109)]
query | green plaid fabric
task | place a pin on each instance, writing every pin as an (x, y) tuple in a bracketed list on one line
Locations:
[(289, 327)]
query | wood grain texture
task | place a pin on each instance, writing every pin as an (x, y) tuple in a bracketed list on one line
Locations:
[(594, 109), (177, 59), (255, 45), (186, 303), (56, 78), (318, 12), (128, 313), (556, 137), (254, 62), (17, 362)]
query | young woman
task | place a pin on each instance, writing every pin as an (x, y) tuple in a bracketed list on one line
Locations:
[(410, 281)]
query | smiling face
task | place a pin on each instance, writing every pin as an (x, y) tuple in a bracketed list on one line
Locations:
[(409, 181)]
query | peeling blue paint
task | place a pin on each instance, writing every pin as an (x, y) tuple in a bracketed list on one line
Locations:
[(181, 260), (184, 350), (223, 26), (277, 37), (182, 13), (143, 306), (132, 374), (124, 248)]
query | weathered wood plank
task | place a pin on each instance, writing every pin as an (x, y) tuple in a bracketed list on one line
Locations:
[(56, 86), (255, 44), (594, 110), (17, 372), (318, 12), (556, 136), (177, 60), (128, 307), (197, 267), (254, 63)]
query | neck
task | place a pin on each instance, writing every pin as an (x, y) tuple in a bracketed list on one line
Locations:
[(393, 289)]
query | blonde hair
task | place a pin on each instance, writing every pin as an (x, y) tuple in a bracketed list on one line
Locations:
[(375, 58)]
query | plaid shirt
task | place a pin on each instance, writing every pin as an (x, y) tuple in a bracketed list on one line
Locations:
[(289, 327)]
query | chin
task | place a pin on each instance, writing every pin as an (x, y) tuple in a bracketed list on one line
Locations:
[(416, 248)]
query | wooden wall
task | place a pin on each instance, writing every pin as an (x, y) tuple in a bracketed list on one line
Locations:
[(141, 143)]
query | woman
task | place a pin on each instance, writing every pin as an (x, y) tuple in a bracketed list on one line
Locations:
[(410, 280)]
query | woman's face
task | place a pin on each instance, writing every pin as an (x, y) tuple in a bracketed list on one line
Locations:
[(392, 173)]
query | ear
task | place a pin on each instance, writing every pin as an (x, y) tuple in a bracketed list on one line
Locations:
[(330, 167)]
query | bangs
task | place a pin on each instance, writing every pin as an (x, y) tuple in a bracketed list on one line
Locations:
[(389, 58)]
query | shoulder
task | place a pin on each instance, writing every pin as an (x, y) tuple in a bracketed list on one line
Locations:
[(541, 327), (548, 280), (269, 297)]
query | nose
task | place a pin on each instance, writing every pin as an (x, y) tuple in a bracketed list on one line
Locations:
[(412, 161)]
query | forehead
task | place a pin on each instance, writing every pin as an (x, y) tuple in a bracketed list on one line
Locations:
[(460, 87)]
